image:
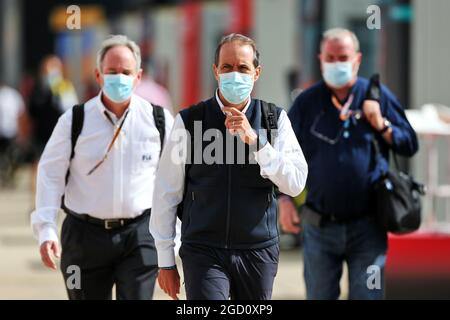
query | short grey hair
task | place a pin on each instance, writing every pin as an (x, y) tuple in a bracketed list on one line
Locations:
[(118, 40), (243, 40), (339, 34)]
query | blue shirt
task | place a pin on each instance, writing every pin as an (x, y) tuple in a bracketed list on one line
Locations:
[(341, 174)]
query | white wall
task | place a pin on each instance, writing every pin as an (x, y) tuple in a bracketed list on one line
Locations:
[(337, 12), (431, 53), (214, 22), (168, 45), (275, 30), (430, 70)]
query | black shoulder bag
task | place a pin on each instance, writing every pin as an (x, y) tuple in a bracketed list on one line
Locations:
[(397, 194)]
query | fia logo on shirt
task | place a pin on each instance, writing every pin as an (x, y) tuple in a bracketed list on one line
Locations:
[(146, 157)]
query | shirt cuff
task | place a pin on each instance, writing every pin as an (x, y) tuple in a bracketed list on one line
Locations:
[(166, 258), (47, 233), (267, 159), (396, 134)]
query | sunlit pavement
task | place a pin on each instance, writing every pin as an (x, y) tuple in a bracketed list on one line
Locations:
[(23, 277)]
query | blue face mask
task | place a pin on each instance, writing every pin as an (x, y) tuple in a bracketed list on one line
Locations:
[(235, 87), (338, 74), (118, 87), (54, 77)]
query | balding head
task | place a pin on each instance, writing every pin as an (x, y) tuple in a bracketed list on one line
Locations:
[(340, 35)]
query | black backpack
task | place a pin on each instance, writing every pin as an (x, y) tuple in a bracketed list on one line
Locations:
[(270, 118), (78, 121)]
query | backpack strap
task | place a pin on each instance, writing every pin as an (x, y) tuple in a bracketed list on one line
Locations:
[(270, 117), (77, 126), (160, 122)]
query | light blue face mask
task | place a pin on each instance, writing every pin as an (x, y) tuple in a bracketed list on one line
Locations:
[(54, 77), (338, 74), (235, 87), (118, 87)]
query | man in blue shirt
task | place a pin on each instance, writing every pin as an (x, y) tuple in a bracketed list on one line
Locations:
[(335, 125)]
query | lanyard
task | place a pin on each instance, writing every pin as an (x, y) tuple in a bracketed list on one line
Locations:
[(346, 115), (111, 144), (345, 111)]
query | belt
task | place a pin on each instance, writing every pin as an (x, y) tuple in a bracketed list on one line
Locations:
[(108, 224), (317, 219)]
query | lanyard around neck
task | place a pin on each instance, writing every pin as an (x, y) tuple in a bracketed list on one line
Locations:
[(344, 110), (114, 138)]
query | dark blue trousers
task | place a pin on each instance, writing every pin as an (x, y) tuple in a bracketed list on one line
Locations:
[(220, 274), (359, 243)]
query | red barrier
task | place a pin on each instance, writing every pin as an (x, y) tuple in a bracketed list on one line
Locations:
[(418, 266)]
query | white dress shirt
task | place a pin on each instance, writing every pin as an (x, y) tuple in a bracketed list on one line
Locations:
[(122, 187), (283, 163)]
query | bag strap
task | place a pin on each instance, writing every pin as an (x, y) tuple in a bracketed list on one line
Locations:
[(374, 93), (160, 123), (270, 116), (77, 127)]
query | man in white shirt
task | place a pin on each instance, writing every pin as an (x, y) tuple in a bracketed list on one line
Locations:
[(11, 110), (11, 106), (229, 228), (108, 191)]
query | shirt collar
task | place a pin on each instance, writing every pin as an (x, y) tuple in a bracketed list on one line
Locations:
[(222, 106), (101, 107)]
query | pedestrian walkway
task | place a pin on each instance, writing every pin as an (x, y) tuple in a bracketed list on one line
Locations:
[(22, 275)]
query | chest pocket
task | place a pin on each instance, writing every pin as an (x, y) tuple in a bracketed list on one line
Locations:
[(145, 156)]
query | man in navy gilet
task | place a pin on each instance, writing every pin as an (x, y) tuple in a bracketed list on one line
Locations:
[(225, 192)]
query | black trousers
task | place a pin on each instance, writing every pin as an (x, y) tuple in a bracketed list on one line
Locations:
[(94, 259), (221, 274)]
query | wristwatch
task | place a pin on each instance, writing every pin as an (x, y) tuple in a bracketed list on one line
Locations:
[(387, 125)]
